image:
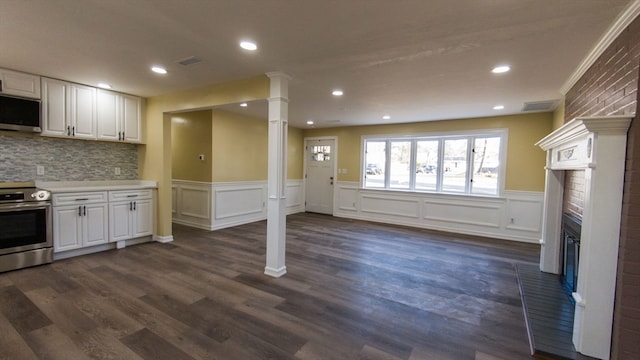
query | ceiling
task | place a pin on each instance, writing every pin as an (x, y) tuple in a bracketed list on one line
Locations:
[(415, 60)]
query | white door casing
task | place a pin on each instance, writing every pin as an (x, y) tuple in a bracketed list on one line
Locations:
[(320, 174)]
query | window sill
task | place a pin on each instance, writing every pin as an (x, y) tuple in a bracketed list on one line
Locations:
[(431, 193)]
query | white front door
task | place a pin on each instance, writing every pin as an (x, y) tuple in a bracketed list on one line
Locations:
[(319, 175)]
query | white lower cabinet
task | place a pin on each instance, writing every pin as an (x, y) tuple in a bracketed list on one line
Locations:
[(85, 219), (79, 220), (130, 214)]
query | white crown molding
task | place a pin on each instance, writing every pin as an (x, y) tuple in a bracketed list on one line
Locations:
[(622, 22)]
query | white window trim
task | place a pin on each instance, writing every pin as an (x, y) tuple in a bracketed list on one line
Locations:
[(503, 133)]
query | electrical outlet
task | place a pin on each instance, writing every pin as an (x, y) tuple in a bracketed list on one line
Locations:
[(116, 170), (39, 170), (201, 157)]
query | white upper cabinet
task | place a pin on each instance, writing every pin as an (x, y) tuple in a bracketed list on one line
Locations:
[(54, 107), (109, 114), (83, 111), (119, 117), (131, 121), (68, 110), (19, 84)]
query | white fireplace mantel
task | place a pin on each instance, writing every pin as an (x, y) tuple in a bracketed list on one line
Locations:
[(596, 145)]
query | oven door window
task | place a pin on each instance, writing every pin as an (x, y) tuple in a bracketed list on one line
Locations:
[(22, 228)]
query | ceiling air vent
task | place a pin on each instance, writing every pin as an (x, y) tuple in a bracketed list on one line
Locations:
[(191, 60), (540, 105)]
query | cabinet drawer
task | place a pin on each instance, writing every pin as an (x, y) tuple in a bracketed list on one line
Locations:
[(93, 197), (123, 195)]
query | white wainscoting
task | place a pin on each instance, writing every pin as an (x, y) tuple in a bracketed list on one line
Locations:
[(214, 206), (515, 216)]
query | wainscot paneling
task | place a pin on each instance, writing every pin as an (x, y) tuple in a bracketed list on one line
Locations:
[(214, 206), (514, 216)]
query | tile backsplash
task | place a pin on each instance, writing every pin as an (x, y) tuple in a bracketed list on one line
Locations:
[(65, 159)]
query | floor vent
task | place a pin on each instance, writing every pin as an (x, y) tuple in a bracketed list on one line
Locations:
[(540, 105)]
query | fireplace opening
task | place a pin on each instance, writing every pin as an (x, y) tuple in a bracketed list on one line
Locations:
[(571, 229)]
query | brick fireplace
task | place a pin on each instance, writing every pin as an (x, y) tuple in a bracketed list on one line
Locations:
[(592, 152)]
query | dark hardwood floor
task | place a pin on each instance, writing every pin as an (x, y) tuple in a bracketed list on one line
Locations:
[(354, 290)]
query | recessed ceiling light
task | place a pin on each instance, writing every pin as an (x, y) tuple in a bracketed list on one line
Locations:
[(501, 69), (248, 45), (244, 105), (159, 69), (498, 107), (310, 122), (386, 117), (337, 92), (104, 85)]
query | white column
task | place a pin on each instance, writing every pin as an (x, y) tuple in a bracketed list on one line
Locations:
[(551, 241), (599, 243), (277, 173)]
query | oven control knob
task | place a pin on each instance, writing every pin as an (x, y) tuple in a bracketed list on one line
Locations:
[(42, 195)]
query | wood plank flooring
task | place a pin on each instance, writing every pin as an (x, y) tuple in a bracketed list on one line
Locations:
[(354, 290)]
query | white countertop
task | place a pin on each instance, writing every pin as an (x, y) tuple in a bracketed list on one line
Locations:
[(75, 186)]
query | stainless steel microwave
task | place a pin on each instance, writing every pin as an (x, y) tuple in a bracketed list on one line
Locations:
[(19, 114)]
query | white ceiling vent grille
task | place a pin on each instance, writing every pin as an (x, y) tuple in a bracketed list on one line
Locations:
[(540, 105), (191, 60)]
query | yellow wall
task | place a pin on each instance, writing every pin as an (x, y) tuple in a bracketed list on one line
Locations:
[(295, 153), (235, 147), (154, 158), (558, 115), (240, 147), (525, 161), (191, 137)]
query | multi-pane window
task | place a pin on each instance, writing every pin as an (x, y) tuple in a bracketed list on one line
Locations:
[(375, 164), (456, 163), (320, 153)]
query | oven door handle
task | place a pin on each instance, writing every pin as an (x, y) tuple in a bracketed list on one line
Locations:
[(24, 206)]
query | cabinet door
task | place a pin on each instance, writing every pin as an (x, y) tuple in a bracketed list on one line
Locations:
[(143, 218), (54, 107), (95, 218), (67, 228), (131, 118), (19, 84), (108, 115), (83, 111), (120, 221)]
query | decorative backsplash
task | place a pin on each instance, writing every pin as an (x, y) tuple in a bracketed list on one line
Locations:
[(65, 159)]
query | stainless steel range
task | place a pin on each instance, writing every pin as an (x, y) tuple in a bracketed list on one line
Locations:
[(25, 228)]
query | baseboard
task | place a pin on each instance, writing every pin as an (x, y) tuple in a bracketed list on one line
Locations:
[(163, 239), (275, 272)]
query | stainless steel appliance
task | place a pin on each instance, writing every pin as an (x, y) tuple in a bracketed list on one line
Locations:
[(19, 114), (25, 228)]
